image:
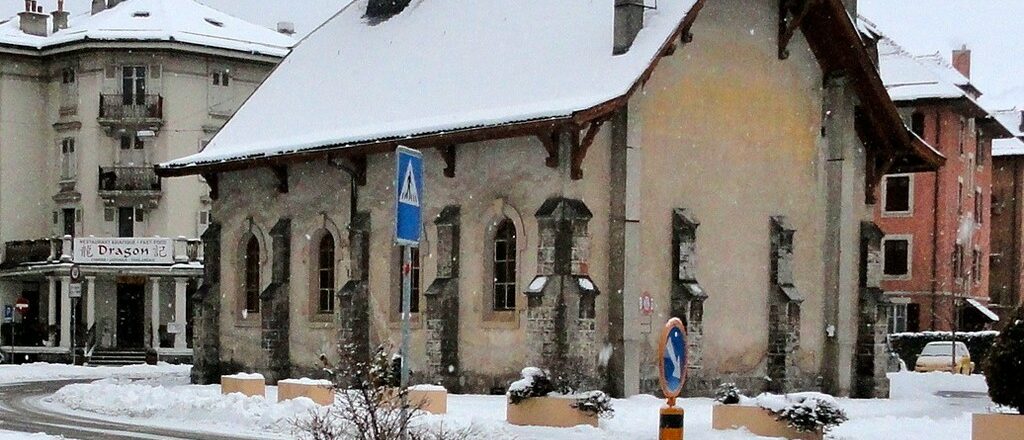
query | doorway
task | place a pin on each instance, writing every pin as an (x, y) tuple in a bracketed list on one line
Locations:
[(131, 309)]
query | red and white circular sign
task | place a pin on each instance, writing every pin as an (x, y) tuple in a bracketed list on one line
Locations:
[(21, 305), (646, 304)]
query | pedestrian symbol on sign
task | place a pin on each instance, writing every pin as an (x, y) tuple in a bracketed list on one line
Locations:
[(410, 194)]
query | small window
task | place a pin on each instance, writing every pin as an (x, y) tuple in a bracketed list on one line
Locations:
[(896, 257), (68, 160), (917, 124), (414, 292), (252, 276), (504, 258), (978, 206), (958, 261), (126, 142), (963, 133), (325, 274), (897, 318), (960, 196), (976, 266), (221, 79), (67, 76), (898, 194), (140, 215)]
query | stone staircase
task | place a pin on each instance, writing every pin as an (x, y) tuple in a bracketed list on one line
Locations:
[(116, 358)]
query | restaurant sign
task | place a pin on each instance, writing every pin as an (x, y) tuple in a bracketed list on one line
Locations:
[(124, 250)]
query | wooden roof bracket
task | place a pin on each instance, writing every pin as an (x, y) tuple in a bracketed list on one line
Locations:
[(214, 184), (355, 166), (550, 141), (878, 166), (579, 149), (281, 173), (791, 15), (448, 154)]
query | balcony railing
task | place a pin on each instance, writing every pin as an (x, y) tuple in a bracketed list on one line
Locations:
[(128, 178), (120, 107), (21, 252)]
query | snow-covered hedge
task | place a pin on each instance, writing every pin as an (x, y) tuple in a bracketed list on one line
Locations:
[(908, 345), (1004, 368), (537, 382), (804, 412)]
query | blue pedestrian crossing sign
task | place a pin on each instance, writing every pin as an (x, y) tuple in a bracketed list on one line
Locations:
[(673, 358), (408, 196), (8, 313)]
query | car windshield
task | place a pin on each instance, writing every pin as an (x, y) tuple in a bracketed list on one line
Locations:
[(937, 350)]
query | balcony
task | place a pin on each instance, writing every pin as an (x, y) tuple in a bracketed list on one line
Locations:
[(129, 184), (118, 110)]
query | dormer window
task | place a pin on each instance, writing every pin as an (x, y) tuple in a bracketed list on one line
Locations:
[(140, 14)]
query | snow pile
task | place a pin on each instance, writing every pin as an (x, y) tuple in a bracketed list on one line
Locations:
[(307, 381), (8, 435), (529, 376), (427, 387), (245, 376), (199, 405), (44, 371)]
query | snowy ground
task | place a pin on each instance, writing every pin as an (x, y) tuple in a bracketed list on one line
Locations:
[(6, 435), (934, 405), (42, 371)]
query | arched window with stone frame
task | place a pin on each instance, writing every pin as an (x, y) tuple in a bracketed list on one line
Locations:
[(326, 274), (504, 268), (252, 275)]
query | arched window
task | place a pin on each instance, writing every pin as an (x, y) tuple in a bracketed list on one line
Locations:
[(252, 276), (505, 266), (325, 274)]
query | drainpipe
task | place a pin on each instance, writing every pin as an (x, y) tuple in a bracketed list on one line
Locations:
[(935, 227)]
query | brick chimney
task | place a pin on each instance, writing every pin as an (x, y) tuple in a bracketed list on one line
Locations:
[(380, 10), (98, 6), (60, 17), (962, 60), (629, 19), (33, 20)]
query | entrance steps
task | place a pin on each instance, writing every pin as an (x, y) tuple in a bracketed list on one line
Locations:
[(116, 358)]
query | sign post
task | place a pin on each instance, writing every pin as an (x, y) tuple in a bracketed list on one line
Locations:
[(408, 224), (672, 368), (75, 293)]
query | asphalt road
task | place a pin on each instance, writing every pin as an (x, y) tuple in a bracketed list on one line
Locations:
[(20, 411)]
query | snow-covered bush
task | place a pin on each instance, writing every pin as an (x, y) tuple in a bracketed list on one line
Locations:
[(1004, 366), (804, 412), (728, 394), (595, 402), (537, 382)]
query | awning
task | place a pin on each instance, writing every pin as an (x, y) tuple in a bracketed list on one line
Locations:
[(984, 310)]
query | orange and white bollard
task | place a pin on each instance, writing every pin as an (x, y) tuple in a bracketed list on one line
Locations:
[(670, 423)]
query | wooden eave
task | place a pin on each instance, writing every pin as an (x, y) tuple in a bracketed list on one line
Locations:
[(836, 43), (576, 121)]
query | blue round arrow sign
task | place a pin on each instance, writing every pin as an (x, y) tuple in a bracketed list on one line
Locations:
[(673, 358)]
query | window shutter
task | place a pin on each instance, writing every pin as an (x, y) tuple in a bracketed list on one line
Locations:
[(154, 71), (110, 72), (109, 214)]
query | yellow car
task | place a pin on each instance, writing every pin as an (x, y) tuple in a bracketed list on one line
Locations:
[(938, 356)]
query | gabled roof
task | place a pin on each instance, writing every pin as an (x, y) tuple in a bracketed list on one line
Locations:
[(1013, 120), (155, 20), (440, 66), (462, 70)]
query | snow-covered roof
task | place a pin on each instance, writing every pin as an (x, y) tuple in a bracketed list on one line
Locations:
[(156, 20), (1008, 147), (908, 77), (440, 66)]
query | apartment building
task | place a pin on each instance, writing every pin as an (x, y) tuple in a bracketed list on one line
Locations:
[(935, 250), (99, 253)]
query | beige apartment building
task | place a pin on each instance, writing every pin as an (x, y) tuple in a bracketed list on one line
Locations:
[(96, 248)]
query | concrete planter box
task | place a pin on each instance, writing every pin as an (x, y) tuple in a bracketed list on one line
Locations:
[(757, 420), (548, 411), (997, 426), (431, 399), (247, 384), (318, 391)]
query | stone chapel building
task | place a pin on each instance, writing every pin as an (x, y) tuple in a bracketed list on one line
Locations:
[(721, 157)]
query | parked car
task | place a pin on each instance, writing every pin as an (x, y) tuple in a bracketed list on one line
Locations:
[(938, 356)]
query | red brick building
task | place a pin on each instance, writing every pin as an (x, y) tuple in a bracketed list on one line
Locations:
[(935, 251), (1006, 273)]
